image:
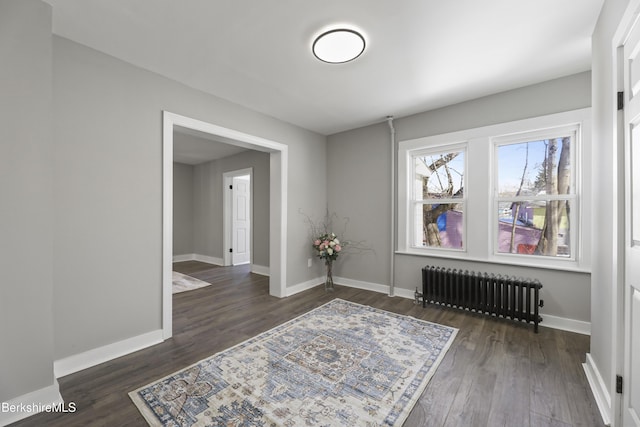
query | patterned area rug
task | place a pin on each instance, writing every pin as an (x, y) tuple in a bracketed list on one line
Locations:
[(183, 283), (342, 364)]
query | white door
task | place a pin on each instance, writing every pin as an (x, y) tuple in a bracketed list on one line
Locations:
[(241, 220), (631, 377)]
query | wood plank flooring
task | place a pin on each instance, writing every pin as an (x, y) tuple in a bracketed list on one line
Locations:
[(496, 373)]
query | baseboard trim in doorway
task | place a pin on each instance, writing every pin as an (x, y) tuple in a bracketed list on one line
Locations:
[(198, 257), (185, 257), (260, 269), (598, 388), (255, 268), (208, 259)]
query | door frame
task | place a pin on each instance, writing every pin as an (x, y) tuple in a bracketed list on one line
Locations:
[(278, 202), (227, 220), (619, 364)]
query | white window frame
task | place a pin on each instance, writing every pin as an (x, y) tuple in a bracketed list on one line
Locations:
[(480, 217), (575, 131)]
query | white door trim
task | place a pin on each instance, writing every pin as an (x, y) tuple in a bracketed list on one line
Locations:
[(277, 205), (618, 363), (227, 179)]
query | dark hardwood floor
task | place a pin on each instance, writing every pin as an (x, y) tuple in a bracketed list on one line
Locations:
[(496, 373)]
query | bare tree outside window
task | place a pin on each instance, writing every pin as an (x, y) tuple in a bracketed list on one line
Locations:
[(439, 199), (534, 211)]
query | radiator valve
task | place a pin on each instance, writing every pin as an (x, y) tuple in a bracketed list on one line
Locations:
[(417, 296)]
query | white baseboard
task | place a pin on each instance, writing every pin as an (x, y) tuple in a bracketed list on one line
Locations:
[(198, 257), (562, 323), (45, 399), (255, 268), (376, 287), (300, 287), (404, 293), (208, 259), (99, 355), (598, 388), (260, 269), (184, 257), (549, 321), (401, 292), (359, 284)]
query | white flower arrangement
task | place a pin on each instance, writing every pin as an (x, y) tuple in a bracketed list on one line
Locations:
[(327, 246)]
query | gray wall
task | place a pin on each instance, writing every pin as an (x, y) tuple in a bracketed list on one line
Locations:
[(358, 185), (182, 209), (26, 210), (208, 210), (359, 188), (554, 96), (607, 236), (108, 188)]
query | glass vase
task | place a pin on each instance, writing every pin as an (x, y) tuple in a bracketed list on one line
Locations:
[(328, 283)]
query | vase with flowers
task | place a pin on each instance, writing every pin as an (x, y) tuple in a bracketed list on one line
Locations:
[(328, 248), (326, 244)]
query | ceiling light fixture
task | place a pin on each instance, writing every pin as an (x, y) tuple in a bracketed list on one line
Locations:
[(338, 46)]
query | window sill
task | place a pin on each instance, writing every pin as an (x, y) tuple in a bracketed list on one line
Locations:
[(569, 266)]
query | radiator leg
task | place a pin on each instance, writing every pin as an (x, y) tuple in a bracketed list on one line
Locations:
[(536, 317)]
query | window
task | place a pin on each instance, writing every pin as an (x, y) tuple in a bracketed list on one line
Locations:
[(438, 199), (509, 193), (534, 199)]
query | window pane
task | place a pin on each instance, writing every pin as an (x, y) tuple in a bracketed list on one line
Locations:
[(439, 176), (535, 168), (535, 228), (439, 225)]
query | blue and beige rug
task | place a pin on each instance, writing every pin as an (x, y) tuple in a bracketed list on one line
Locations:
[(342, 364)]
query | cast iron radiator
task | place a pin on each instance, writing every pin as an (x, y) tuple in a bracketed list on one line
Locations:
[(498, 295)]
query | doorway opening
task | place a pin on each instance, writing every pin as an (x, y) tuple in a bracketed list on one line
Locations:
[(278, 166)]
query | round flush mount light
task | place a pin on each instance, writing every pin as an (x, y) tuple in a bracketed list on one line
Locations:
[(338, 46)]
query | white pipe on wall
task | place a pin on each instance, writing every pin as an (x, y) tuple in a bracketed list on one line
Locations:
[(393, 206)]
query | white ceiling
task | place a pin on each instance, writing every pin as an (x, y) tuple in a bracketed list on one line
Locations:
[(421, 54)]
